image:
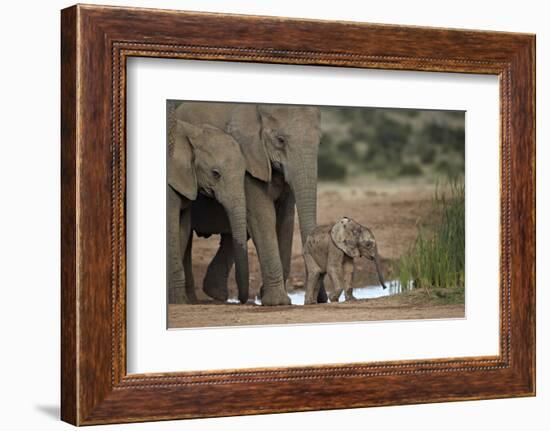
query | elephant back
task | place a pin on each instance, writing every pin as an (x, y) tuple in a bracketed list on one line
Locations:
[(241, 121)]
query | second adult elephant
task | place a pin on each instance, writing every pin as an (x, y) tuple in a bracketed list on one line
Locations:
[(280, 145)]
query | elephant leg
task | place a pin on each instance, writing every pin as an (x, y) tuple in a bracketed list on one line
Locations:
[(187, 264), (337, 282), (336, 266), (262, 226), (349, 271), (176, 277), (215, 281), (285, 230), (313, 276), (334, 297)]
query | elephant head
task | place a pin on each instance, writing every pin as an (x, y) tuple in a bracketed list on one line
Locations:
[(289, 143), (205, 159), (356, 241), (281, 137)]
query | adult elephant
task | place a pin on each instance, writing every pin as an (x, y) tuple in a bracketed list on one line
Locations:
[(280, 145), (203, 161)]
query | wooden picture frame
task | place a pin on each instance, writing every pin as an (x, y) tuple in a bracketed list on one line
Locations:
[(95, 43)]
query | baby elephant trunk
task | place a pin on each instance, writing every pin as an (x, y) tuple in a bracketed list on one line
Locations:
[(378, 271)]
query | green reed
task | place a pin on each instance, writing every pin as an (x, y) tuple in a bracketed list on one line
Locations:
[(436, 258)]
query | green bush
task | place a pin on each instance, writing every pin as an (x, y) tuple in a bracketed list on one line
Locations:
[(349, 149), (451, 169), (409, 169), (427, 154), (443, 167), (330, 169), (380, 141)]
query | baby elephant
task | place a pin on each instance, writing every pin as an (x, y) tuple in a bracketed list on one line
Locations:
[(332, 250)]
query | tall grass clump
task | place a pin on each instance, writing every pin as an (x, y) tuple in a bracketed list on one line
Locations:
[(436, 258)]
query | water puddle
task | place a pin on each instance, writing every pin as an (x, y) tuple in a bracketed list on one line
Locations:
[(366, 292)]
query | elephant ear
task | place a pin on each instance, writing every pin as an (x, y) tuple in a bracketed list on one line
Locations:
[(181, 170), (344, 237), (246, 130)]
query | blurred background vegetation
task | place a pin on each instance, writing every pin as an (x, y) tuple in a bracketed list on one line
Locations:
[(390, 143)]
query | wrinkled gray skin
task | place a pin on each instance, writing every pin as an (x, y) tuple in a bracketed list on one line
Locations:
[(333, 250), (280, 145), (203, 161)]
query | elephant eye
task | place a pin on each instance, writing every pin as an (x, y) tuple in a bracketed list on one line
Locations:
[(216, 174), (281, 140)]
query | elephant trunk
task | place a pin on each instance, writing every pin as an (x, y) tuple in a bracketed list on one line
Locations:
[(378, 270), (236, 213), (303, 182)]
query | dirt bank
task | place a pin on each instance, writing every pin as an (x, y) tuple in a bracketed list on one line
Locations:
[(411, 305)]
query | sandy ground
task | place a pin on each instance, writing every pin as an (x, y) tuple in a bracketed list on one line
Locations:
[(414, 305), (391, 210)]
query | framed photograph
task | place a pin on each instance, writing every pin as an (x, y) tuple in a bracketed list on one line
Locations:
[(265, 215)]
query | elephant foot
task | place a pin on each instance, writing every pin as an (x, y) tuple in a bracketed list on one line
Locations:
[(309, 299), (178, 295), (216, 291), (335, 298), (350, 297), (191, 295), (243, 298), (274, 297)]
